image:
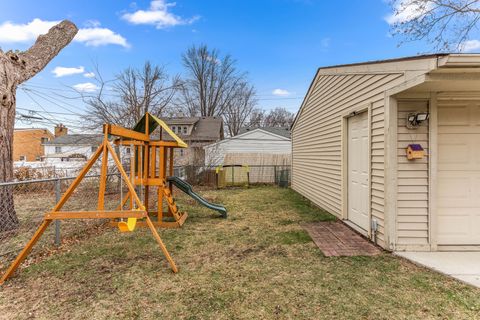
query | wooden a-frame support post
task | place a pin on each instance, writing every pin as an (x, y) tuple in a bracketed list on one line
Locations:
[(104, 149)]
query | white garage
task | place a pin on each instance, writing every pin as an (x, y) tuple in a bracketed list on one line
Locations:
[(458, 178), (251, 144), (392, 148)]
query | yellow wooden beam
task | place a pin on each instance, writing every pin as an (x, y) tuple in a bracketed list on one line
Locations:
[(165, 127)]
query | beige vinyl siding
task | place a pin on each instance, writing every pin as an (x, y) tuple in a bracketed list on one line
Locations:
[(317, 139), (412, 199), (377, 167)]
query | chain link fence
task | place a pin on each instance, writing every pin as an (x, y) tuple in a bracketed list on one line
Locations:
[(257, 174), (23, 205)]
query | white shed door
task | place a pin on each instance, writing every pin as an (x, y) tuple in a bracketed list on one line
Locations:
[(358, 170), (458, 179)]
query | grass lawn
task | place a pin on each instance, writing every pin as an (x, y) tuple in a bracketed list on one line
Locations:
[(257, 264)]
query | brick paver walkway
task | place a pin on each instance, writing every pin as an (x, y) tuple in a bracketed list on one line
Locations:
[(336, 239)]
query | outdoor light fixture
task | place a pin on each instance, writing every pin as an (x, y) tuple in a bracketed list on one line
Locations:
[(415, 119)]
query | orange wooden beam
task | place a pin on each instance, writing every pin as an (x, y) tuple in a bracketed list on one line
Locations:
[(79, 178), (160, 143), (128, 142), (103, 179), (61, 215), (23, 254), (161, 245), (131, 188), (125, 133)]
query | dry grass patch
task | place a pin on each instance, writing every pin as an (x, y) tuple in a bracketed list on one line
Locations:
[(258, 263)]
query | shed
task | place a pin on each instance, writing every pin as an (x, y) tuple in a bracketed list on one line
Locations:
[(350, 140)]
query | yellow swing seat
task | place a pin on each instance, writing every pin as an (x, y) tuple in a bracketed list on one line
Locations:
[(128, 226)]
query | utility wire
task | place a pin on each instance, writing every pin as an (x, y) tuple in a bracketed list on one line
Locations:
[(55, 103), (115, 95)]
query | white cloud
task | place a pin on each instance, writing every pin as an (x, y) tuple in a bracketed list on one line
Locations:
[(11, 32), (28, 32), (408, 10), (65, 71), (470, 45), (95, 37), (89, 75), (280, 92), (86, 87), (158, 15)]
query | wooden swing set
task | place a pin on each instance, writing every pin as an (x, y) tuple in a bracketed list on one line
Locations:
[(148, 169)]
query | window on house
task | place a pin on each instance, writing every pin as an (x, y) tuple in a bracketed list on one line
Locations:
[(44, 140), (173, 129), (38, 158), (58, 149), (127, 150), (181, 152), (94, 148), (23, 158), (184, 130)]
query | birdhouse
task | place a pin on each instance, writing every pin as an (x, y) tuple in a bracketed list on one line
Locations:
[(415, 151)]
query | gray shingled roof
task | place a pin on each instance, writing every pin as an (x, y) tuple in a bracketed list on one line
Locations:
[(181, 120), (77, 139), (205, 128), (280, 131)]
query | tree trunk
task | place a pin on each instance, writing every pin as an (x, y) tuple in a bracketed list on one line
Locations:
[(8, 217), (16, 68)]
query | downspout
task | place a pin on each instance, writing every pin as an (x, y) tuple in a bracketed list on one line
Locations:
[(374, 228)]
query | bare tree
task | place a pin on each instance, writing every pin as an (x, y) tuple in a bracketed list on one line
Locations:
[(257, 118), (446, 24), (211, 82), (132, 93), (278, 117), (16, 68), (239, 109)]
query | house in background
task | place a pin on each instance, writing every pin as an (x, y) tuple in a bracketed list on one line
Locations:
[(252, 146), (197, 132), (393, 148), (70, 147), (28, 143)]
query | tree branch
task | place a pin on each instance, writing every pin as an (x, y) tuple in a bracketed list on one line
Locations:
[(45, 49)]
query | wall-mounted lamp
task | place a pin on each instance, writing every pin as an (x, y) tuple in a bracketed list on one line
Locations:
[(415, 119)]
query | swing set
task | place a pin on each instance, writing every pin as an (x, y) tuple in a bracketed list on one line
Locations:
[(148, 169)]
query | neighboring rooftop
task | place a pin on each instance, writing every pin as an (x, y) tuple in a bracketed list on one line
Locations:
[(204, 128), (77, 139), (280, 131), (181, 120), (31, 129)]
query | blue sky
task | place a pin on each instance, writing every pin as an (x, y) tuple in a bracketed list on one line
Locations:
[(280, 43)]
